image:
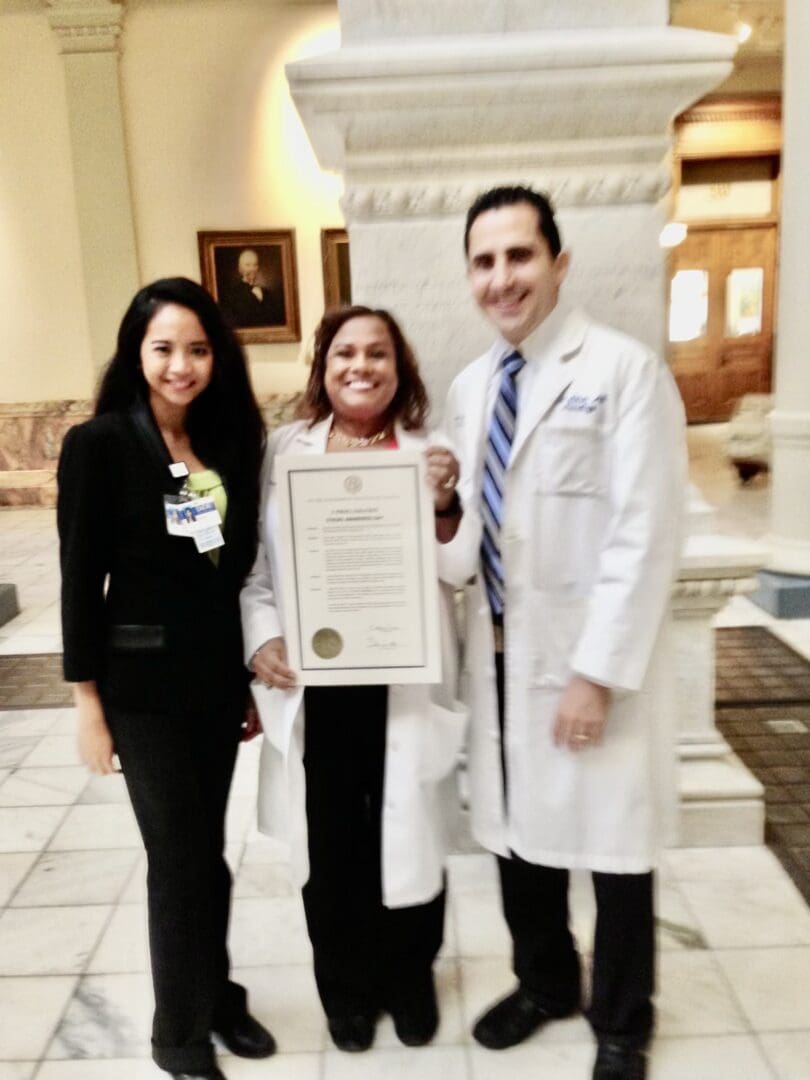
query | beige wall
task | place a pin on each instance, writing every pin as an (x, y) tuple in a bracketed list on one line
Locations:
[(213, 141), (44, 344)]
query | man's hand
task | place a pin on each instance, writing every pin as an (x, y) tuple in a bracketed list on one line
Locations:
[(582, 714)]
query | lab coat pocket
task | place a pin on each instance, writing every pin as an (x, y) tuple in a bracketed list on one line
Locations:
[(442, 740), (569, 460)]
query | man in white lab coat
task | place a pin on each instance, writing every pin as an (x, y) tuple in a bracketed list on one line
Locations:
[(571, 442)]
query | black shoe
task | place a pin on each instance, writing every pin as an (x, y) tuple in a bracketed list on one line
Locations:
[(246, 1037), (616, 1061), (208, 1074), (352, 1033), (417, 1018), (511, 1021)]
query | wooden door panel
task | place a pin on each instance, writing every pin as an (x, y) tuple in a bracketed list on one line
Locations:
[(723, 361)]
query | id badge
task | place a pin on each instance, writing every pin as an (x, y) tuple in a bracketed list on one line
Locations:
[(198, 519)]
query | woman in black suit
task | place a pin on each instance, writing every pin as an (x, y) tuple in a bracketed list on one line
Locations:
[(156, 656)]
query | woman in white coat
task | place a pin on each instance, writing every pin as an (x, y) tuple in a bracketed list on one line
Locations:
[(356, 779)]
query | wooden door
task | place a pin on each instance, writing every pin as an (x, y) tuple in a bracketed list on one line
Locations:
[(721, 291)]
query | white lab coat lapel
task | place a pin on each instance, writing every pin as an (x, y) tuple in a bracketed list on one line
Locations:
[(556, 374)]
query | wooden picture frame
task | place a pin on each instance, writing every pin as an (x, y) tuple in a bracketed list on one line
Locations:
[(337, 281), (253, 277)]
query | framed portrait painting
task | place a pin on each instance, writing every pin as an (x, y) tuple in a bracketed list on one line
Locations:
[(337, 278), (252, 276)]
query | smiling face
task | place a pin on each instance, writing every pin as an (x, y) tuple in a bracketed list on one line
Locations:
[(176, 359), (513, 276), (361, 371)]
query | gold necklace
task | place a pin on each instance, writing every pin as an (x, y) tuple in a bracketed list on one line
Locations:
[(360, 440)]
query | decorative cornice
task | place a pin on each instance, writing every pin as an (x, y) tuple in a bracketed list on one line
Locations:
[(370, 202), (741, 110), (84, 26)]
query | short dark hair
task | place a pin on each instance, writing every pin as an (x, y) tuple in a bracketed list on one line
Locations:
[(511, 196), (410, 404), (224, 422)]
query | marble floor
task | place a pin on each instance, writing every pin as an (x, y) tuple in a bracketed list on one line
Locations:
[(734, 979)]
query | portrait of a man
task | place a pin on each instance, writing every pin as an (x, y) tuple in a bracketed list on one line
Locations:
[(251, 291), (252, 276)]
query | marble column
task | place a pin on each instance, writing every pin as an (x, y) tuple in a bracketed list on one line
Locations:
[(575, 97), (790, 421), (422, 109), (87, 32)]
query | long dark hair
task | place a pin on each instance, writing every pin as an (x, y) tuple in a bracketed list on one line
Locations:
[(410, 403), (224, 423)]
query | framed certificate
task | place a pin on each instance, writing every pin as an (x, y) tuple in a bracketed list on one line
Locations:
[(359, 554)]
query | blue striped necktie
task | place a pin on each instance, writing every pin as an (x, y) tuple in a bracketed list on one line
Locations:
[(496, 462)]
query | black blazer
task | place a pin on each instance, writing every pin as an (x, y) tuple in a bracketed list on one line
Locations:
[(166, 636)]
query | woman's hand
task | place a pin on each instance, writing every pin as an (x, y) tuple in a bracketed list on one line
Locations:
[(251, 725), (270, 665), (95, 741), (442, 472)]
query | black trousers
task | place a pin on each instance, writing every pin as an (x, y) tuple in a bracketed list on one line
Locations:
[(366, 956), (178, 771), (545, 959)]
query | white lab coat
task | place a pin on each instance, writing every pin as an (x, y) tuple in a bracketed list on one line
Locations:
[(590, 543), (425, 729)]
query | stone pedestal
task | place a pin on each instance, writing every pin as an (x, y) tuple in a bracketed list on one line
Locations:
[(574, 97), (721, 802)]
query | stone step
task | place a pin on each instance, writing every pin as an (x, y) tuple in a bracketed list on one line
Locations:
[(9, 604)]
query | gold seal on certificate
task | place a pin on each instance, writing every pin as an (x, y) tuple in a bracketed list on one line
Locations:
[(327, 643), (359, 553)]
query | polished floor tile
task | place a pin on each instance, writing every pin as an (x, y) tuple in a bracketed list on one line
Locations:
[(43, 786), (124, 945), (109, 1016), (269, 931), (772, 985), (94, 827), (28, 828), (17, 1070), (50, 940), (757, 912), (537, 1058), (31, 1009), (788, 1053), (424, 1063), (121, 1069), (284, 998), (712, 1057), (13, 869), (76, 877), (694, 997)]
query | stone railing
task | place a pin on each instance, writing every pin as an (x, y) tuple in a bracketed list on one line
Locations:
[(31, 435)]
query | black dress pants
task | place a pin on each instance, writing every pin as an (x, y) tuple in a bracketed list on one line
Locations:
[(545, 960), (367, 956), (178, 771)]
